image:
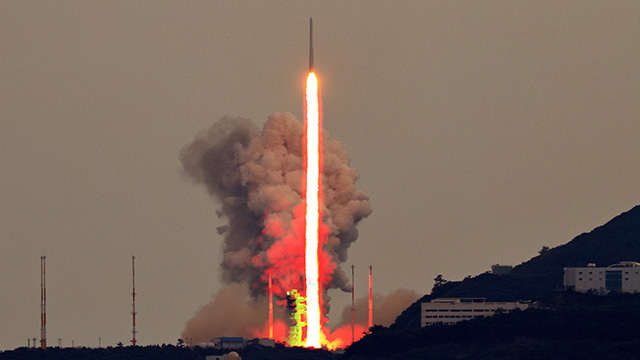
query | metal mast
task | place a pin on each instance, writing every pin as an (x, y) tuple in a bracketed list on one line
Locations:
[(370, 299), (353, 307), (133, 273), (270, 307), (43, 304)]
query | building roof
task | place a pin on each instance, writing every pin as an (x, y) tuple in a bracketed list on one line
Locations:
[(231, 339), (625, 264)]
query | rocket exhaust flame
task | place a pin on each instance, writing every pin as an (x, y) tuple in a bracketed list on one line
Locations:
[(292, 207), (313, 196)]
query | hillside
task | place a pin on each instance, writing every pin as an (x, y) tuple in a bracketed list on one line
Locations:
[(568, 326), (617, 240)]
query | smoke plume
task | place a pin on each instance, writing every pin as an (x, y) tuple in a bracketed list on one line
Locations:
[(257, 178), (386, 308), (231, 312)]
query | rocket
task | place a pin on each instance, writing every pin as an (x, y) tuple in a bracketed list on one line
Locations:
[(310, 44)]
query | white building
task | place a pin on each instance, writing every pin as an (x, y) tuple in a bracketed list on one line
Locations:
[(621, 277), (450, 311), (228, 342)]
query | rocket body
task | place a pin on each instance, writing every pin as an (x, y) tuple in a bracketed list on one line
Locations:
[(310, 44)]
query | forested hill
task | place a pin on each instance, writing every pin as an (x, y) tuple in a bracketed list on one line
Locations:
[(565, 326), (617, 240)]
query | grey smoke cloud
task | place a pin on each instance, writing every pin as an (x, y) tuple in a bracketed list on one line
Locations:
[(256, 176), (386, 308), (232, 311)]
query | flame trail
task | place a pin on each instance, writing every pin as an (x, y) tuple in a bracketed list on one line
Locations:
[(312, 215), (275, 187)]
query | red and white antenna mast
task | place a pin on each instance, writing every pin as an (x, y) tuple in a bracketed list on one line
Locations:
[(353, 307), (43, 303), (133, 273), (370, 299), (270, 307)]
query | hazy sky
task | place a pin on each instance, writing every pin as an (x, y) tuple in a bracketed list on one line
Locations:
[(482, 131)]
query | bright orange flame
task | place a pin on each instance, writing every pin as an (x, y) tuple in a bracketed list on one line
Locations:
[(313, 154), (338, 338)]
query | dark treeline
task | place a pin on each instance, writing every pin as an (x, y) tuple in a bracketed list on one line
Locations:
[(164, 352)]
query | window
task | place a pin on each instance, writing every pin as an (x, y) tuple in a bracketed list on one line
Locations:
[(613, 280)]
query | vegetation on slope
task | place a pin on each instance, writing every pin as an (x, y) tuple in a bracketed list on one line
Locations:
[(617, 240), (568, 326)]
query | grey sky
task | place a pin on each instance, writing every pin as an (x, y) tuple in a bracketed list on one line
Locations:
[(482, 131)]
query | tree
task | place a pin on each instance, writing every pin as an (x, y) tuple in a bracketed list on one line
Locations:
[(439, 281), (543, 250)]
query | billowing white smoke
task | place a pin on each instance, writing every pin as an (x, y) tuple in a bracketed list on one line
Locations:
[(257, 178)]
